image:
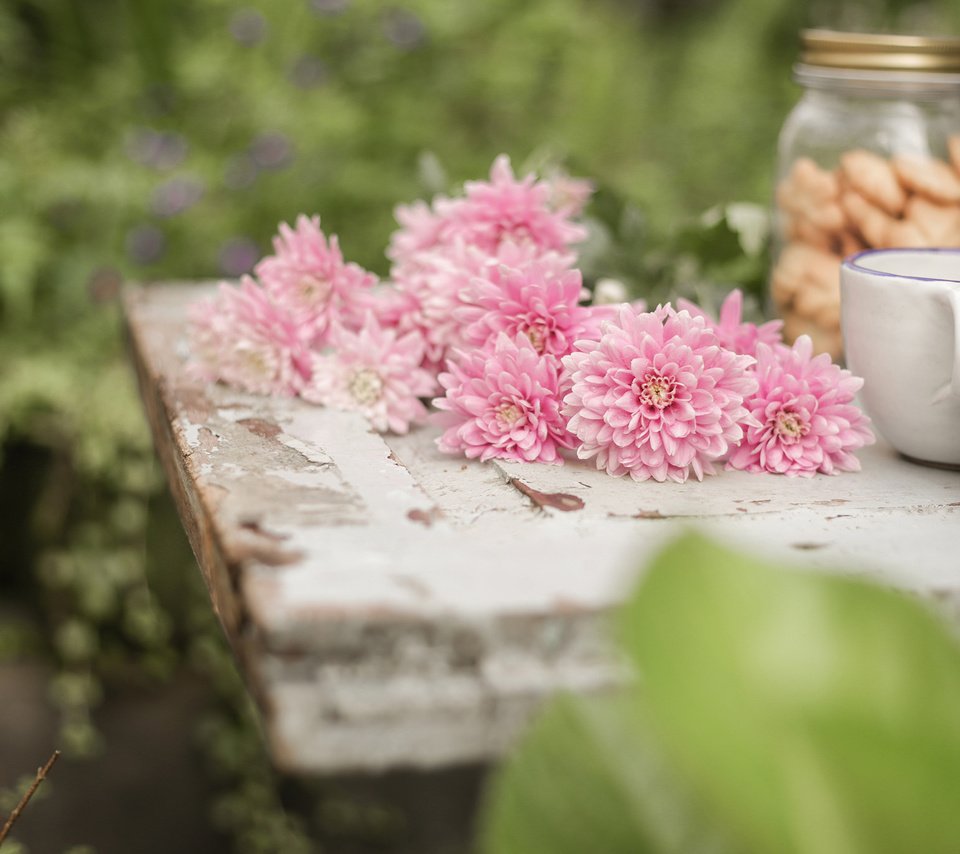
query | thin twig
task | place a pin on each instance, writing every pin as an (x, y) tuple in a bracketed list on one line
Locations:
[(19, 808)]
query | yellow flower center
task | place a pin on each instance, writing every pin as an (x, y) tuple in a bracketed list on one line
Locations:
[(790, 427), (537, 333), (313, 289), (658, 390), (365, 386), (256, 361), (508, 414)]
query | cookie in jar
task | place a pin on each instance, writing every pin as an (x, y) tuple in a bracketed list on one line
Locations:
[(869, 158)]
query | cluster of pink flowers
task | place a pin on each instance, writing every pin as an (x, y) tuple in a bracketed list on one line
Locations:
[(665, 393), (486, 309)]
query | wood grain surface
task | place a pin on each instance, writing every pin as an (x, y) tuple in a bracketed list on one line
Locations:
[(395, 607)]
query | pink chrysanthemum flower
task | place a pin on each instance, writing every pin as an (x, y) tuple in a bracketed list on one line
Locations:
[(569, 195), (431, 290), (656, 396), (804, 418), (421, 229), (503, 404), (439, 248), (242, 338), (514, 256), (543, 306), (732, 332), (308, 276), (390, 305), (505, 209), (436, 285), (492, 214), (374, 371), (598, 314)]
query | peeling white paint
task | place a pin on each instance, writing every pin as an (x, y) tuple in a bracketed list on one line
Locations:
[(308, 450), (191, 433), (410, 608)]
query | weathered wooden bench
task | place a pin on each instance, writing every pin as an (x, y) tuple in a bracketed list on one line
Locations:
[(394, 607)]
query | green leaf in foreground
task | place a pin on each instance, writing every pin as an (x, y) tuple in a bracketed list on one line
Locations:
[(587, 778), (813, 713)]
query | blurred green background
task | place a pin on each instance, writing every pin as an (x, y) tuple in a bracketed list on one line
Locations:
[(165, 139)]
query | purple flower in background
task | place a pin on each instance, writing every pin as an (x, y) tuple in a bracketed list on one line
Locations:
[(271, 150), (403, 29), (161, 150), (238, 255), (328, 7), (146, 244), (176, 196), (248, 27)]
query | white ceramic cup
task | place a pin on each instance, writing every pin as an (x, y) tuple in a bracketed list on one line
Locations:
[(900, 316)]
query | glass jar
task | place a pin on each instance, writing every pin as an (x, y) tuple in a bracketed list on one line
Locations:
[(869, 157)]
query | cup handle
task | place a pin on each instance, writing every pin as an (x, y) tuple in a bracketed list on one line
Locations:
[(953, 296)]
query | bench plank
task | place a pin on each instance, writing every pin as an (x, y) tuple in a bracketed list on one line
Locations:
[(395, 607)]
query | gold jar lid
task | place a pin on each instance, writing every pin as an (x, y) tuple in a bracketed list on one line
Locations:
[(880, 52)]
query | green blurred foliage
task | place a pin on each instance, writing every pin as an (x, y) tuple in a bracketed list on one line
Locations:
[(247, 807), (832, 722), (775, 711), (147, 139), (589, 776)]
